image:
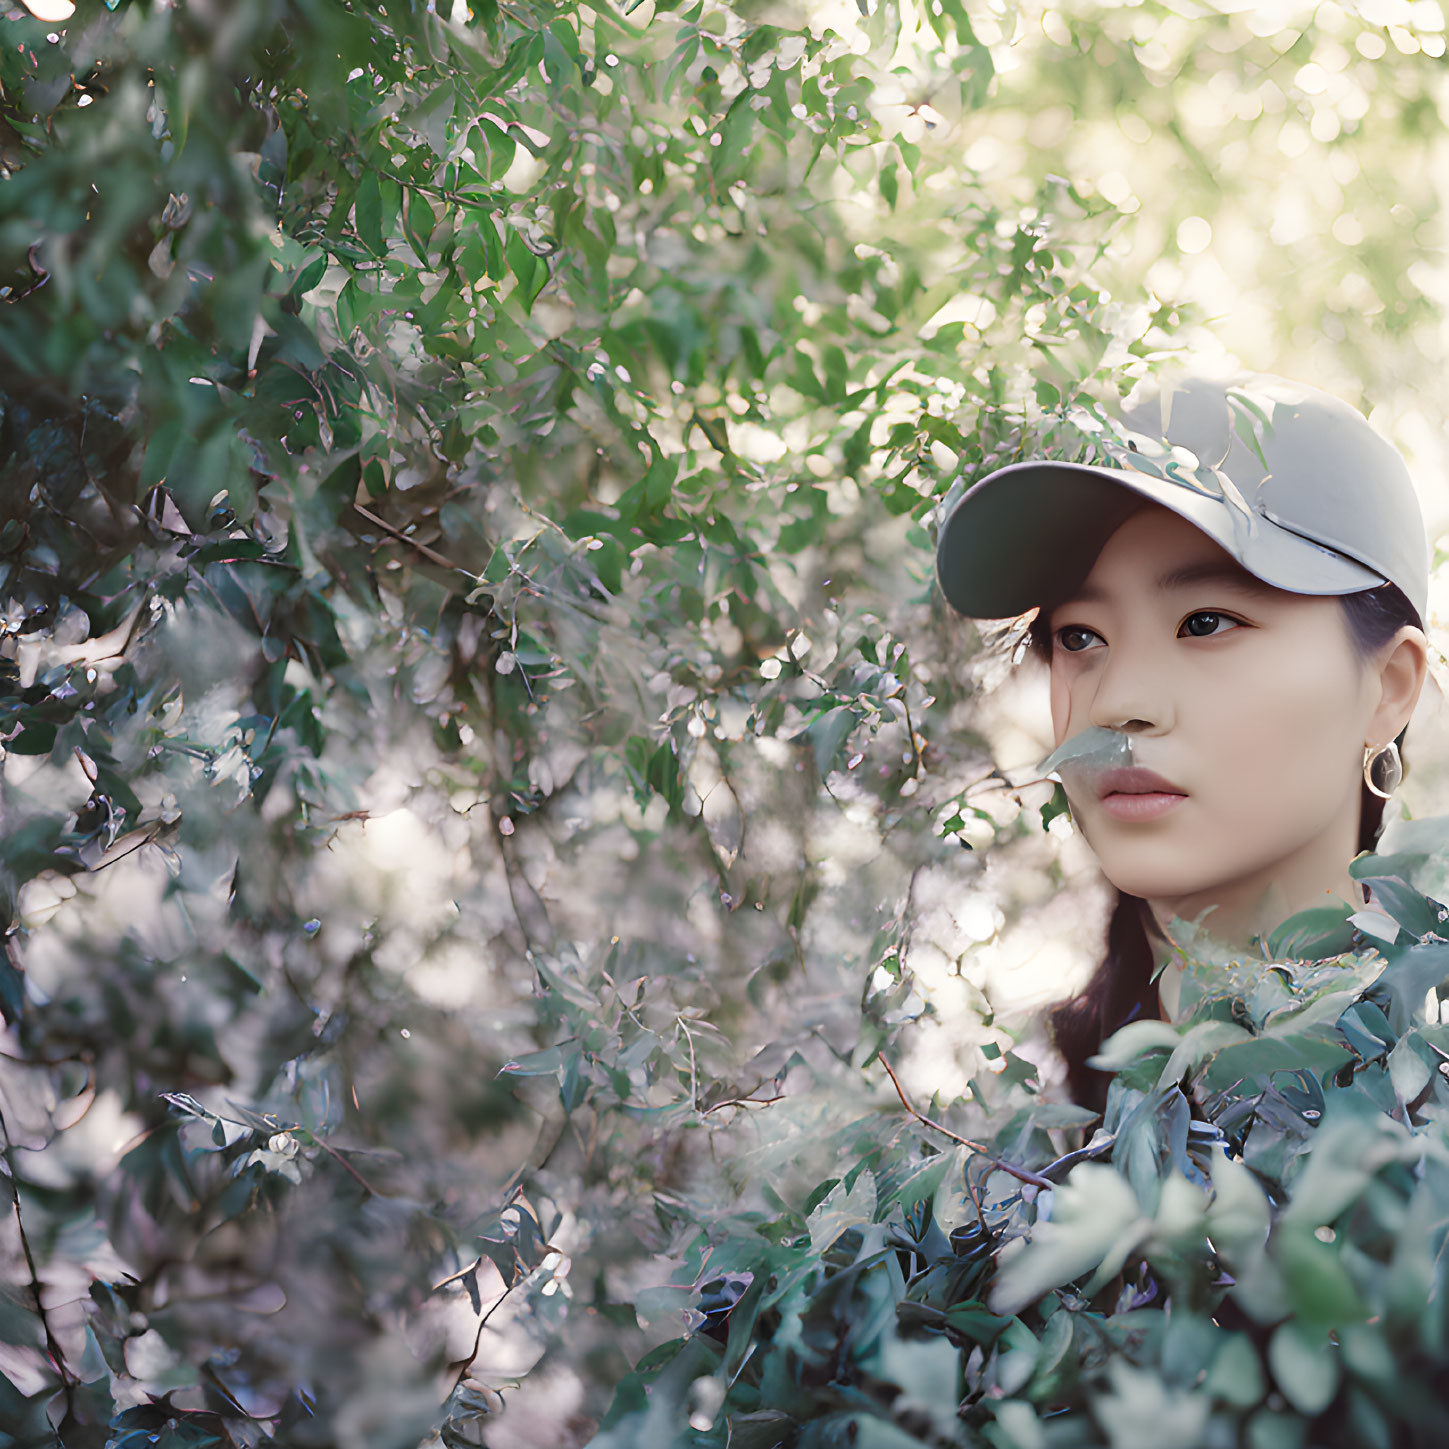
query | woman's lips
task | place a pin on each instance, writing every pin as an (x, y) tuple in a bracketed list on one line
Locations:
[(1135, 794)]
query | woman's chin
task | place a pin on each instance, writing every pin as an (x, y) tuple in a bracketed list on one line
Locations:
[(1158, 859), (1153, 882)]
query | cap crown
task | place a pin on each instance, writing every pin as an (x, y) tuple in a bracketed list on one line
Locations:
[(1300, 459)]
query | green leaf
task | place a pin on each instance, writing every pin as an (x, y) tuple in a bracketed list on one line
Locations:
[(1132, 1041), (828, 734), (1366, 1030), (530, 270), (1236, 1375), (367, 213), (1319, 1286), (547, 1063), (1057, 805), (1319, 932), (1238, 1217), (1305, 1368), (1416, 914), (1095, 1223), (888, 178), (842, 1209)]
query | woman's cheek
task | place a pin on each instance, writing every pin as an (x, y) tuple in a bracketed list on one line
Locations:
[(1061, 701), (1280, 765)]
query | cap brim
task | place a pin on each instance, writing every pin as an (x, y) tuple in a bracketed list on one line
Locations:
[(1028, 534)]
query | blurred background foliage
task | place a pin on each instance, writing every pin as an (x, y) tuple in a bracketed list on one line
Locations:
[(485, 774)]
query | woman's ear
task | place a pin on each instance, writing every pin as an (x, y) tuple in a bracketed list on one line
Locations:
[(1402, 668)]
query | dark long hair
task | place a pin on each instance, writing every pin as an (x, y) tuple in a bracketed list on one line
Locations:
[(1122, 988)]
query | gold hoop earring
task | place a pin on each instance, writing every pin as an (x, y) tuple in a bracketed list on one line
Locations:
[(1383, 769)]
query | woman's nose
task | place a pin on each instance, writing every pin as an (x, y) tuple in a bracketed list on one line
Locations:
[(1132, 695)]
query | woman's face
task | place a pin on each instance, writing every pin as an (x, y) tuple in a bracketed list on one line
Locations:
[(1249, 702)]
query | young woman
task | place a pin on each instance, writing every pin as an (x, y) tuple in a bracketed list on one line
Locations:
[(1232, 616)]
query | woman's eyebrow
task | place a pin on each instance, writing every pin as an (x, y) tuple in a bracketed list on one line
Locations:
[(1210, 571)]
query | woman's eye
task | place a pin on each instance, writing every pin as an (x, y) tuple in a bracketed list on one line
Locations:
[(1205, 623), (1073, 638)]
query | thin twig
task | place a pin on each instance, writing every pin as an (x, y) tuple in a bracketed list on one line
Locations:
[(432, 555), (974, 1194), (150, 830), (1022, 1174), (233, 1406), (919, 764), (463, 1365), (693, 1074), (1101, 1143), (52, 1347), (742, 1102), (346, 1166)]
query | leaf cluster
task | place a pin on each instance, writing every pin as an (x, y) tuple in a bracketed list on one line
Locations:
[(1248, 1251)]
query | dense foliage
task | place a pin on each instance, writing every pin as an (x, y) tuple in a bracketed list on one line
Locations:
[(484, 774), (1249, 1250)]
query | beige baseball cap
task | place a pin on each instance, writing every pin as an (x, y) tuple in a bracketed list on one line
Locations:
[(1292, 482)]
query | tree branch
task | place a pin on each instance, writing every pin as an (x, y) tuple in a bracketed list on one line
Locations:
[(52, 1346), (1022, 1174)]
